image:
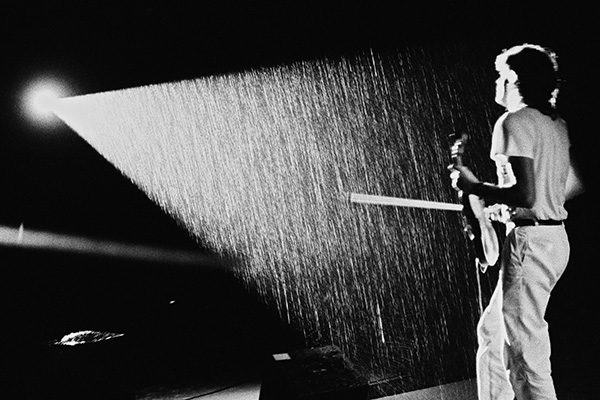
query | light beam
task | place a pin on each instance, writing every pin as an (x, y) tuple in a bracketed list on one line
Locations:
[(41, 240)]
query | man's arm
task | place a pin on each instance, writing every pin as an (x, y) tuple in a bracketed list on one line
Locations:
[(521, 194)]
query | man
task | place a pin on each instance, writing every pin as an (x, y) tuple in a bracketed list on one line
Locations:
[(530, 147)]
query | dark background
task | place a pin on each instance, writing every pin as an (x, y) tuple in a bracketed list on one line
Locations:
[(50, 179)]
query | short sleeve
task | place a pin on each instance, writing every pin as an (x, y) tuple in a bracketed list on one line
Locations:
[(512, 137)]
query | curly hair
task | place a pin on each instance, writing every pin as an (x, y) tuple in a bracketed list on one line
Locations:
[(537, 71)]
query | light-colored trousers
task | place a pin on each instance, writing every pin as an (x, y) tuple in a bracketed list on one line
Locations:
[(513, 357)]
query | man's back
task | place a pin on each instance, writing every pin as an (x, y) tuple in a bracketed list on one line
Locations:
[(529, 133)]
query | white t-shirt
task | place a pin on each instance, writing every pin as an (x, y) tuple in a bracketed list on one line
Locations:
[(529, 133)]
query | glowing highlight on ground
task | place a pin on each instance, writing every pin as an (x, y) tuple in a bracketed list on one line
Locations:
[(85, 337)]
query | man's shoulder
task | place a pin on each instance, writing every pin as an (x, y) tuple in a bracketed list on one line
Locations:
[(530, 117), (519, 118), (520, 114), (514, 115)]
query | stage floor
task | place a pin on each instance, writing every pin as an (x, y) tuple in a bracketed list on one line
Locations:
[(462, 390)]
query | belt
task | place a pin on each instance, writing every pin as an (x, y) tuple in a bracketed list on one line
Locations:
[(536, 222)]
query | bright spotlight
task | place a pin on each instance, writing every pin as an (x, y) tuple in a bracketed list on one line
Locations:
[(39, 100)]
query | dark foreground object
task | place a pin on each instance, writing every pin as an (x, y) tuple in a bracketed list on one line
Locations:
[(312, 374)]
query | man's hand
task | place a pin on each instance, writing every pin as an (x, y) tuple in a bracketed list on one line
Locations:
[(462, 178)]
